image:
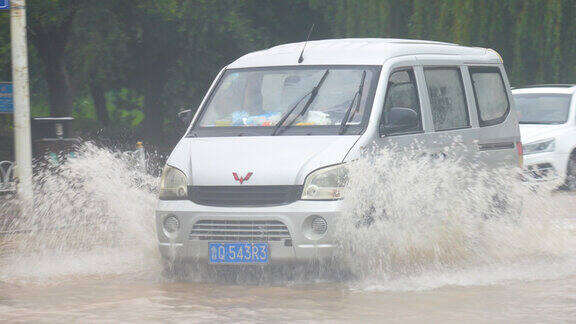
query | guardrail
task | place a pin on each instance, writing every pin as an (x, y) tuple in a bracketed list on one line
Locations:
[(7, 184)]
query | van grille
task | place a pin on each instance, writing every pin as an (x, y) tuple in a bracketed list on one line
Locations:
[(234, 196), (239, 230)]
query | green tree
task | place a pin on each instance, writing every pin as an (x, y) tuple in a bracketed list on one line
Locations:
[(152, 58), (100, 55), (50, 26)]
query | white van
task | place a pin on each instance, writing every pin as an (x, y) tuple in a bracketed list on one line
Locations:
[(257, 177)]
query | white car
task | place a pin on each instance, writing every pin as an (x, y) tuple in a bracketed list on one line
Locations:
[(547, 116), (257, 177)]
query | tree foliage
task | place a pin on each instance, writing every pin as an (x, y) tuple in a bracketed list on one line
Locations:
[(536, 38), (134, 63)]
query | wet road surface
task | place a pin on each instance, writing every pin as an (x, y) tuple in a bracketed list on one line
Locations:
[(120, 299)]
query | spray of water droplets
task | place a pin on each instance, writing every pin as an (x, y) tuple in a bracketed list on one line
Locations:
[(409, 223), (93, 215), (418, 223)]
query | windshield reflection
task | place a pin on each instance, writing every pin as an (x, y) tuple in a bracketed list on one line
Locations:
[(261, 98)]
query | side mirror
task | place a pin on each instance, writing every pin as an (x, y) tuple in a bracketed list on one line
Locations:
[(401, 120), (185, 117)]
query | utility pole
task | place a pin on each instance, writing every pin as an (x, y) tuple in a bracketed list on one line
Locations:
[(22, 137)]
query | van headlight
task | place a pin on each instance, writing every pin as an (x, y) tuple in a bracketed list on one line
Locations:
[(326, 183), (173, 185), (547, 145)]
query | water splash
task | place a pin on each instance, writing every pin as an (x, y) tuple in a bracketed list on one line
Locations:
[(416, 223), (410, 223), (93, 215)]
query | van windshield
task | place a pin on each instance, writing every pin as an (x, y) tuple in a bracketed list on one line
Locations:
[(542, 108), (311, 100)]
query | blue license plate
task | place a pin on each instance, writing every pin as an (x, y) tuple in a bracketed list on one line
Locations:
[(238, 252)]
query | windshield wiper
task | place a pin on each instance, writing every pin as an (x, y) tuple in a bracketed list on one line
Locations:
[(313, 93), (347, 116)]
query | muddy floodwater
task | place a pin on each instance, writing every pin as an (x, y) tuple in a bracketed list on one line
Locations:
[(89, 254), (128, 300)]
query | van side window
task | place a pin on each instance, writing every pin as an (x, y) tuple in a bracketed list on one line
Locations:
[(490, 93), (447, 98), (401, 113)]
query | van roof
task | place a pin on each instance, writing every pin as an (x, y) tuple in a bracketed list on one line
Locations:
[(359, 51)]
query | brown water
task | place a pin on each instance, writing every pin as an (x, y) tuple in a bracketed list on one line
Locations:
[(99, 262), (127, 300)]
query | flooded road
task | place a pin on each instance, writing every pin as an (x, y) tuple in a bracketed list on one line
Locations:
[(124, 299), (97, 261)]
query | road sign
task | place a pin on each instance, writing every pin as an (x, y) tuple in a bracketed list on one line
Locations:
[(4, 4), (6, 98)]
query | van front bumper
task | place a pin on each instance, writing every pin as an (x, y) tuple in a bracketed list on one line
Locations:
[(302, 245)]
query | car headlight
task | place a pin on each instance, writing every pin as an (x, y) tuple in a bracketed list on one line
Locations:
[(173, 185), (547, 145), (326, 183)]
